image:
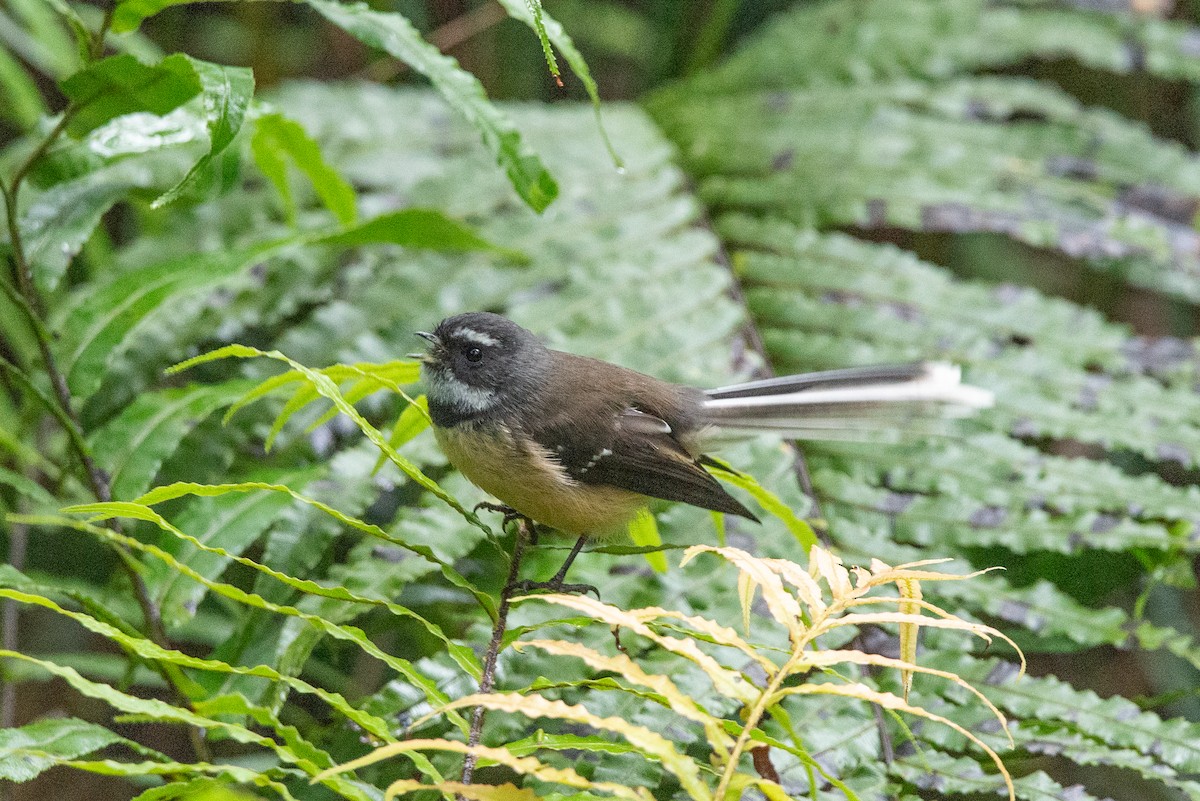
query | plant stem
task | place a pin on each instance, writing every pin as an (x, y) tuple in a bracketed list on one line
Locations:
[(487, 679), (31, 304)]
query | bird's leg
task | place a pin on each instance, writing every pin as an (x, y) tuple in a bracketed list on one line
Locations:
[(556, 584)]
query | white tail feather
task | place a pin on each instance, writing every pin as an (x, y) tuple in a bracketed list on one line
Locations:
[(847, 400)]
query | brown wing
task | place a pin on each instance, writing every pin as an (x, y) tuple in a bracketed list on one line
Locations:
[(638, 452)]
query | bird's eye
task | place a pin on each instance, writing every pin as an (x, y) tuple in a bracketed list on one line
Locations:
[(474, 354)]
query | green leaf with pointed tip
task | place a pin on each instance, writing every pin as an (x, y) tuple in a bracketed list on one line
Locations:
[(801, 530), (226, 94), (149, 650), (29, 750), (328, 389), (119, 85), (27, 487), (428, 229), (643, 530), (397, 36), (278, 140), (20, 101), (153, 709), (181, 489)]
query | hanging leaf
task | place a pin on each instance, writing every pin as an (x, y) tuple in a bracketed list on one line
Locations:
[(226, 93), (396, 35)]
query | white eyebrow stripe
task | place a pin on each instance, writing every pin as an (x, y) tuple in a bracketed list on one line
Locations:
[(476, 336)]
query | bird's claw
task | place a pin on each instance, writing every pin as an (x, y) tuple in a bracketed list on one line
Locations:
[(555, 586), (510, 514)]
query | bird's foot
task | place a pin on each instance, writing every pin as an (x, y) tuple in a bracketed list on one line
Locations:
[(552, 586), (510, 515)]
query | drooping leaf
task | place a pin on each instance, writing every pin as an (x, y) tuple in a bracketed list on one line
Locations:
[(129, 14), (121, 84), (396, 35), (549, 31), (643, 530), (226, 93), (278, 140), (157, 710)]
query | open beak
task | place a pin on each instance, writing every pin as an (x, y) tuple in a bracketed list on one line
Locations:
[(433, 340)]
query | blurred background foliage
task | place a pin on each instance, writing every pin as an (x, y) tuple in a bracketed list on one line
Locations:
[(1009, 185)]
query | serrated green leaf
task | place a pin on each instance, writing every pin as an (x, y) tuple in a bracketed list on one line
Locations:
[(772, 503), (119, 85), (328, 389), (172, 491), (149, 650), (278, 140), (154, 709), (396, 35), (413, 419), (132, 446), (231, 523), (101, 320)]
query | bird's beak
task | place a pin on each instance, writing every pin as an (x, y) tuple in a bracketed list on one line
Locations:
[(427, 358)]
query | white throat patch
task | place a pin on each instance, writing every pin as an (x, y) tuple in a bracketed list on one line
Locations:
[(442, 387)]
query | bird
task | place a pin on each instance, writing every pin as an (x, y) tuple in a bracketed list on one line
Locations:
[(581, 445)]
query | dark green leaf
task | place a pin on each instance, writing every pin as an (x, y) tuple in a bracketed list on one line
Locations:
[(396, 35), (57, 224), (27, 487), (132, 446), (227, 92), (104, 316), (129, 14), (120, 85)]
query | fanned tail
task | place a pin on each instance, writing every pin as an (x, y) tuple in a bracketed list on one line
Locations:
[(853, 403)]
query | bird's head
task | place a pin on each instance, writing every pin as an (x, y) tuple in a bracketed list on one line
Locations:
[(477, 364)]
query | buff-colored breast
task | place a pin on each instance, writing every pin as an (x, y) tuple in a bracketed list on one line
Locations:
[(528, 479)]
